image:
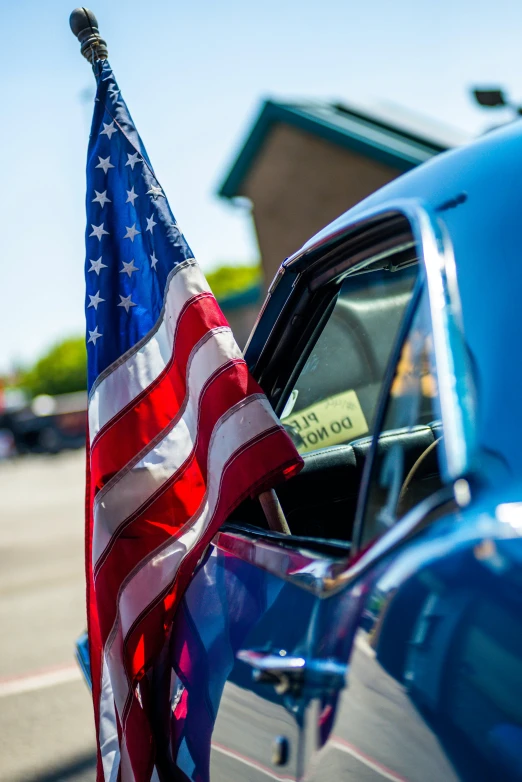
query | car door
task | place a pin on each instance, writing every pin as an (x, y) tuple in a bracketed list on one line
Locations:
[(258, 666)]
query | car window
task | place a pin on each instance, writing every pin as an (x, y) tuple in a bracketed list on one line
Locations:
[(334, 398), (405, 469)]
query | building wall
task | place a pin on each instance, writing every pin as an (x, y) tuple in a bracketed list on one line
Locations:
[(298, 184)]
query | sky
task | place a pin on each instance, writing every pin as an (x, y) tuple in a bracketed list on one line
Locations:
[(194, 75)]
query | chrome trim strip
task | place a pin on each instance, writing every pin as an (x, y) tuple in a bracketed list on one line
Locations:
[(287, 562), (437, 254), (325, 577)]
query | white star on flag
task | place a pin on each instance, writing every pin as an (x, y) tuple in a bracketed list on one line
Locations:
[(131, 232), (153, 261), (133, 159), (131, 196), (113, 92), (96, 266), (105, 163), (98, 231), (126, 302), (94, 335), (95, 300), (108, 130), (101, 198), (150, 223), (155, 192), (129, 268)]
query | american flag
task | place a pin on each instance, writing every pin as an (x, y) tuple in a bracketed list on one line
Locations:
[(179, 432)]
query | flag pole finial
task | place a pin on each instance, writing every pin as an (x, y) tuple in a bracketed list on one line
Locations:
[(85, 27)]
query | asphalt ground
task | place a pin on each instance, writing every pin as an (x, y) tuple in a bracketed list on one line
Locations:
[(46, 727)]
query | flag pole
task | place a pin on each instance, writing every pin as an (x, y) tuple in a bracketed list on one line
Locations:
[(85, 27), (273, 511)]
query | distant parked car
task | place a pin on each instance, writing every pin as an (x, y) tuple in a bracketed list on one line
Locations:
[(7, 444), (382, 639), (48, 424)]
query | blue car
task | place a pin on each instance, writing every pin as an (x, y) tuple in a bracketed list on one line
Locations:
[(382, 638)]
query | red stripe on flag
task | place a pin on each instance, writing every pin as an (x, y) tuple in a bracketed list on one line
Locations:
[(215, 389), (139, 423), (166, 514), (93, 626)]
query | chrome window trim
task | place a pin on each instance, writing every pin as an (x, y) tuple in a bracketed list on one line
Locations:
[(448, 341), (320, 575)]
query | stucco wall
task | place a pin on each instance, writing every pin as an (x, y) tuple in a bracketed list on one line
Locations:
[(298, 184)]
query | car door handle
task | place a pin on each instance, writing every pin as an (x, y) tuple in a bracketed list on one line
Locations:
[(288, 673)]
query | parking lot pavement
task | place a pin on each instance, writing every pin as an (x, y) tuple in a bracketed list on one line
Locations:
[(46, 730)]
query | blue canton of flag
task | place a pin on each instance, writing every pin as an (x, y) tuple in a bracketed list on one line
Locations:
[(133, 240)]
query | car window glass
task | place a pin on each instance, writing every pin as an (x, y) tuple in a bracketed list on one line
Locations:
[(406, 464), (334, 398)]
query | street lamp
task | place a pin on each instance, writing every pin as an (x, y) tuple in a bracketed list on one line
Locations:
[(494, 98)]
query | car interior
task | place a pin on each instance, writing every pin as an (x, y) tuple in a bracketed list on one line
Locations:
[(330, 400)]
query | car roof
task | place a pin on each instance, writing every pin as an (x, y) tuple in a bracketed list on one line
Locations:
[(476, 190)]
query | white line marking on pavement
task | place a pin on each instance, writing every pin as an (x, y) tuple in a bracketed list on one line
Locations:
[(249, 762), (362, 644), (39, 680), (362, 757)]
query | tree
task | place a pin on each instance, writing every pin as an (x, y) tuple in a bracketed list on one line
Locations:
[(232, 279), (62, 370)]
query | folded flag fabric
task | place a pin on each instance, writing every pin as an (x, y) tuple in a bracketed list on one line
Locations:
[(179, 432)]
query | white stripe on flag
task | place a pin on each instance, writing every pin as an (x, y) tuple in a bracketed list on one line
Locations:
[(251, 418), (108, 731), (128, 379), (125, 493)]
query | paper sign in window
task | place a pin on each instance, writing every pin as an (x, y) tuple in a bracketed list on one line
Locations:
[(335, 420)]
